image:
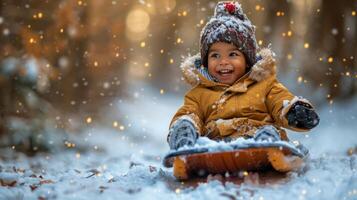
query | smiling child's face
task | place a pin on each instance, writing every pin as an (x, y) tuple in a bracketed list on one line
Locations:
[(226, 63)]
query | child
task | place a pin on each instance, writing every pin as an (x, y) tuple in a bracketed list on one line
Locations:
[(236, 92)]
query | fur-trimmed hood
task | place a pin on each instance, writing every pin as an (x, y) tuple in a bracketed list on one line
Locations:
[(264, 68)]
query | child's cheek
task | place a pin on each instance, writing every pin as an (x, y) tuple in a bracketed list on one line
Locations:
[(211, 65)]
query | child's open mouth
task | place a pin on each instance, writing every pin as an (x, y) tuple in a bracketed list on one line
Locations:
[(225, 72)]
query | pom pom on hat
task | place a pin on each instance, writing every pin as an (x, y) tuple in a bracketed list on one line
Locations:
[(229, 9)]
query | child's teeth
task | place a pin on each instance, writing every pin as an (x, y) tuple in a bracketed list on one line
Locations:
[(224, 71)]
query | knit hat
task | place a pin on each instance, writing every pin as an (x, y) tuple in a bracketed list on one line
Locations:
[(229, 24)]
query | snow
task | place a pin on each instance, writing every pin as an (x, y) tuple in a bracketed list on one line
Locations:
[(127, 165), (219, 146)]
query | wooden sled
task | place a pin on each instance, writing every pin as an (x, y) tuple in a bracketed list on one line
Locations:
[(282, 156)]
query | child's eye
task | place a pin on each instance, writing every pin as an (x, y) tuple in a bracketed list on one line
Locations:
[(214, 55), (233, 54)]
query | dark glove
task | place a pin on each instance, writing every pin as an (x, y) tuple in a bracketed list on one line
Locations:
[(302, 115), (182, 133)]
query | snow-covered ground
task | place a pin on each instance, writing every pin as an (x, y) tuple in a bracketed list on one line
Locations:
[(126, 164)]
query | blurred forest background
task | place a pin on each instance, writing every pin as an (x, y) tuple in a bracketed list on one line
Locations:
[(64, 63)]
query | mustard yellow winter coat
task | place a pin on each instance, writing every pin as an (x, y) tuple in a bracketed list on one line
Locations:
[(219, 111)]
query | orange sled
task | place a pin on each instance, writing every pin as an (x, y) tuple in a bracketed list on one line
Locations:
[(282, 156)]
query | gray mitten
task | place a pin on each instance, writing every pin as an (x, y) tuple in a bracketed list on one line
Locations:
[(267, 133), (182, 133)]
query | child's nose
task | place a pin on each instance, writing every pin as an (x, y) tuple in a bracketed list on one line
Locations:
[(224, 61)]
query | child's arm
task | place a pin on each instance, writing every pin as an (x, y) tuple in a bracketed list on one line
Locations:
[(187, 123), (288, 110)]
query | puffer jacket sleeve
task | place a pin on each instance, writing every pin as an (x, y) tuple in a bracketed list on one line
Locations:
[(191, 111), (279, 101)]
